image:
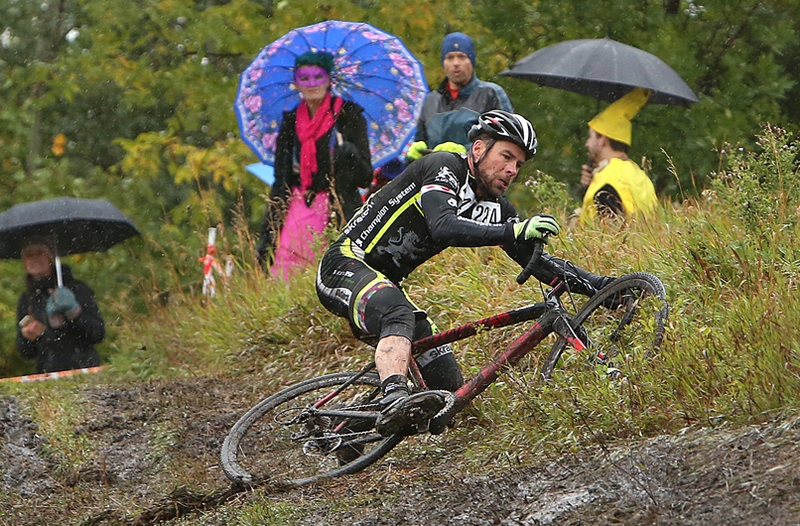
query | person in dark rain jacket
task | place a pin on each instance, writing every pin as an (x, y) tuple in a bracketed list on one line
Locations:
[(450, 111), (58, 326)]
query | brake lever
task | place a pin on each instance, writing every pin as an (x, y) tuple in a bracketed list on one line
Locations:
[(538, 248)]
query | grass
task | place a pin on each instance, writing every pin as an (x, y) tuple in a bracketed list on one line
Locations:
[(731, 355), (731, 352), (55, 407)]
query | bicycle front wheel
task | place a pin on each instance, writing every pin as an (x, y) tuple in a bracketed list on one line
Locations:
[(282, 442), (624, 320)]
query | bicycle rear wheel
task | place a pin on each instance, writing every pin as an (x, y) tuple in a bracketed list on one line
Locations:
[(280, 442), (624, 320)]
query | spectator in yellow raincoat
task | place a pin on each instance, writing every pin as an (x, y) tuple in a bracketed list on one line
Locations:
[(615, 185)]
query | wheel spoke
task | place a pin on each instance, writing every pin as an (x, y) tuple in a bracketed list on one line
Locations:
[(622, 324), (285, 440)]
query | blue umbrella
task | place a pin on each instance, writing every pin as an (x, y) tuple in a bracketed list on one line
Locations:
[(263, 171), (371, 68)]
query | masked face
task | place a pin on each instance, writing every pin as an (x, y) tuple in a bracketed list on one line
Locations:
[(312, 83), (310, 76)]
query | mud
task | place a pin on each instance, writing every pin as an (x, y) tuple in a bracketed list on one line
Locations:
[(154, 460)]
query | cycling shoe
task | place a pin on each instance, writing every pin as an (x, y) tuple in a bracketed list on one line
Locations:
[(409, 414)]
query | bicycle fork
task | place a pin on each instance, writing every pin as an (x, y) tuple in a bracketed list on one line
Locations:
[(562, 327)]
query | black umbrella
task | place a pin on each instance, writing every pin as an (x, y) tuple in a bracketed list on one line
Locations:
[(604, 69), (75, 226)]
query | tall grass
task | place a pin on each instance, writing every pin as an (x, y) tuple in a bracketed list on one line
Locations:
[(730, 262)]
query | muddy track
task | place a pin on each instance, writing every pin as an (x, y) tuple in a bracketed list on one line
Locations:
[(154, 450)]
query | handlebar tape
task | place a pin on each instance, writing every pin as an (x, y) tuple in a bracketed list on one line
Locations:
[(538, 248)]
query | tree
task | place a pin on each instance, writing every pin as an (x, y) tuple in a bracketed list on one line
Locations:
[(132, 101), (728, 52)]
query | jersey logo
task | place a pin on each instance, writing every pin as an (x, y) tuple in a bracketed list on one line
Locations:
[(403, 244), (446, 176), (466, 198)]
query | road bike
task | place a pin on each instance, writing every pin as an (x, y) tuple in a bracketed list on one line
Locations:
[(324, 427)]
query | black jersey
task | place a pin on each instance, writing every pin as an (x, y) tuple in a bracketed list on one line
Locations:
[(430, 206)]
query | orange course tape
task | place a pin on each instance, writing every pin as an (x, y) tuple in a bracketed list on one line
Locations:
[(52, 376)]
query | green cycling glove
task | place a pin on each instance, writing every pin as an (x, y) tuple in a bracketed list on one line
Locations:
[(450, 147), (536, 227), (416, 150)]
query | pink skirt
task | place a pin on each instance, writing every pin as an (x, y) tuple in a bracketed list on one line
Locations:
[(301, 233)]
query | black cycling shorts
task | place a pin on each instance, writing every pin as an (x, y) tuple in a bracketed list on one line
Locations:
[(376, 307)]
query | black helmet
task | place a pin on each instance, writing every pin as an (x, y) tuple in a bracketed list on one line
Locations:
[(504, 126)]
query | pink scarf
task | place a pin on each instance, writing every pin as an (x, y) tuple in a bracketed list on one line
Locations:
[(309, 131)]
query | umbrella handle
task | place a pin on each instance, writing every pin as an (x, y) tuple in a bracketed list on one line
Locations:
[(59, 277)]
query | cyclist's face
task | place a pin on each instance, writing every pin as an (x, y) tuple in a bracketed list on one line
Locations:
[(497, 166), (458, 68)]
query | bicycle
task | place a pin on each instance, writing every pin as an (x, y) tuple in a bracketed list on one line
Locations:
[(324, 427)]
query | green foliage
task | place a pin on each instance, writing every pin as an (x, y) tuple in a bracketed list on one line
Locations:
[(731, 54), (730, 356), (538, 193), (762, 188), (142, 93)]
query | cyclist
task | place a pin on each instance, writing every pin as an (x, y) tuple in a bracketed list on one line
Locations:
[(443, 200)]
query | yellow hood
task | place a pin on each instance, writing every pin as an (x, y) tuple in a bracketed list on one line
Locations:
[(615, 121)]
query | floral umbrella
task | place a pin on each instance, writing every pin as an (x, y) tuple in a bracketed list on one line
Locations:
[(371, 68)]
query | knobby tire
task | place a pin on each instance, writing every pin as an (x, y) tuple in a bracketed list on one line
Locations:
[(258, 442), (641, 282)]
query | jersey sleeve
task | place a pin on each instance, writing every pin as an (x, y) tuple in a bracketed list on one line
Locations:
[(439, 200)]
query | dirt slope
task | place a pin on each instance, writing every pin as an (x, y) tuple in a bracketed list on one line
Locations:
[(155, 449)]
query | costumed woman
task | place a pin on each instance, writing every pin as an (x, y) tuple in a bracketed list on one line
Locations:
[(322, 158)]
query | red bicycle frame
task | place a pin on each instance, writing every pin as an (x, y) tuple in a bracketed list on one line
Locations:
[(551, 317)]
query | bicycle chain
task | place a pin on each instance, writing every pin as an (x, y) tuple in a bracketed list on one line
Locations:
[(449, 398)]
